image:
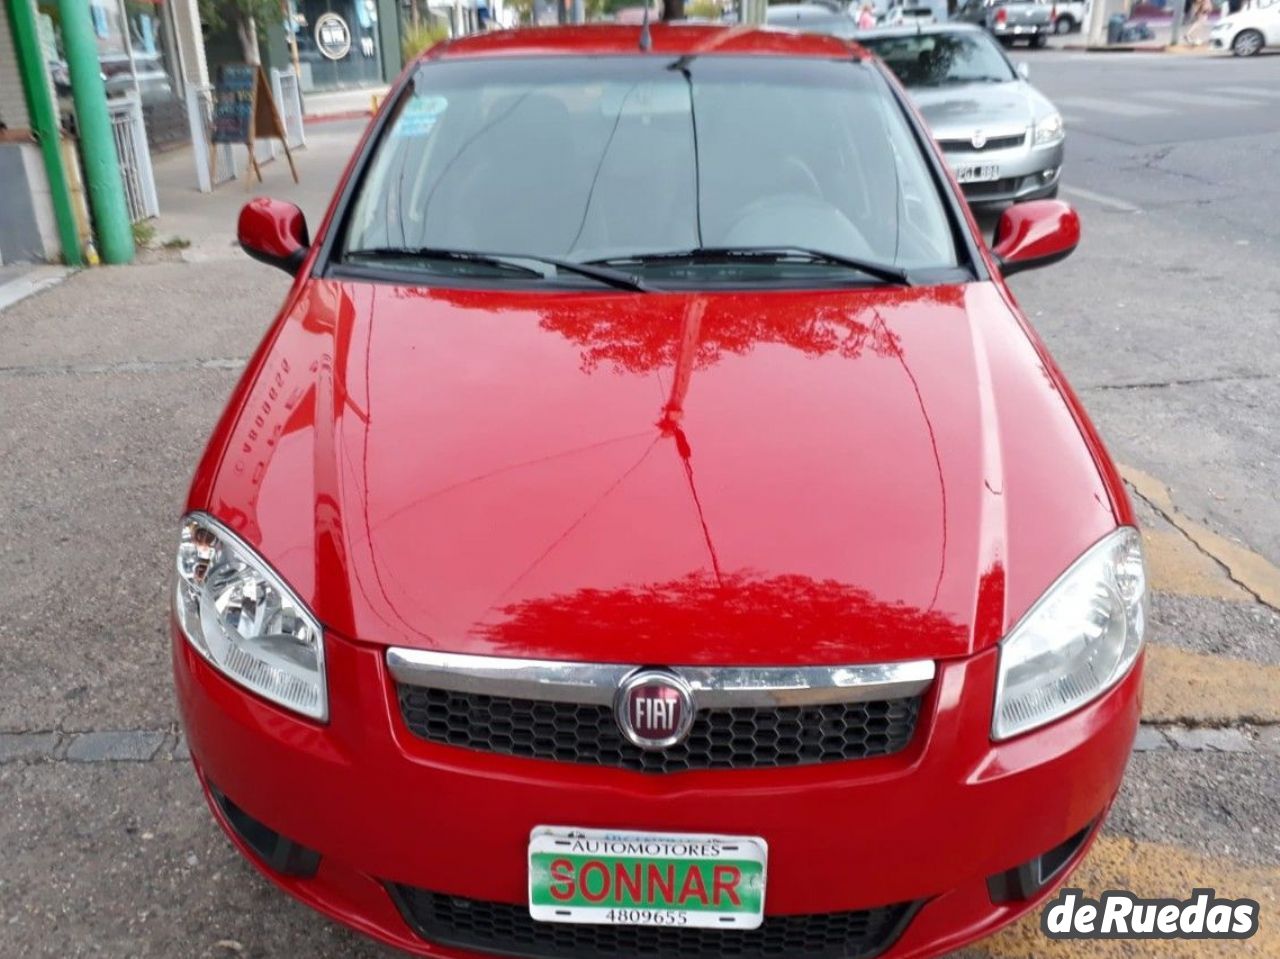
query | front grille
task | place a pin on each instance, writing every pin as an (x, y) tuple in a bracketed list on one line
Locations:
[(995, 143), (722, 738), (509, 930), (991, 187)]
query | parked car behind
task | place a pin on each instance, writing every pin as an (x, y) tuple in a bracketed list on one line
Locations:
[(1249, 31), (1069, 15), (1002, 137), (812, 18), (1010, 20), (913, 15)]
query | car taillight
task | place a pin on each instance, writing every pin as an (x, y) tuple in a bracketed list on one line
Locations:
[(1002, 15)]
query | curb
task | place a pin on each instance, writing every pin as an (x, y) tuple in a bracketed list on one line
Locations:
[(1175, 50), (330, 117), (30, 282)]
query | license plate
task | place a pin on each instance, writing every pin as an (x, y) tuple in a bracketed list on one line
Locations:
[(977, 174), (646, 879)]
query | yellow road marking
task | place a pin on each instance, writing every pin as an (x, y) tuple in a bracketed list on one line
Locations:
[(1198, 688), (1150, 871), (1175, 565), (1254, 572)]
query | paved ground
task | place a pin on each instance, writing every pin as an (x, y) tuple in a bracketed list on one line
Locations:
[(1166, 321)]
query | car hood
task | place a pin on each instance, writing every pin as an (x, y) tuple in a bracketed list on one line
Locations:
[(771, 478), (957, 112)]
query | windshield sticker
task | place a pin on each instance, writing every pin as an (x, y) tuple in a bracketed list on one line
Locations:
[(420, 116)]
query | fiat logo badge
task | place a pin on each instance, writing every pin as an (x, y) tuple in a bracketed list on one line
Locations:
[(979, 140), (654, 708)]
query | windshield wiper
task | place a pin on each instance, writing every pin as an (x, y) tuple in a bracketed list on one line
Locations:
[(886, 273), (508, 261)]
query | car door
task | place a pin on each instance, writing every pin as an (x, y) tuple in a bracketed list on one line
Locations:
[(1272, 26)]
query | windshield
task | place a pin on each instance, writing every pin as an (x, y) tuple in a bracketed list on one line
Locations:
[(937, 59), (590, 160)]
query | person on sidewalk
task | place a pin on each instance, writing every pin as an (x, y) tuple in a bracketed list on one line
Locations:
[(1197, 32), (866, 18)]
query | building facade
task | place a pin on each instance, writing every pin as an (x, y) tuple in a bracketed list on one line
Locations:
[(28, 231)]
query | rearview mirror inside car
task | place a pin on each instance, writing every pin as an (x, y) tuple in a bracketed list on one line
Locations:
[(274, 232), (1035, 234)]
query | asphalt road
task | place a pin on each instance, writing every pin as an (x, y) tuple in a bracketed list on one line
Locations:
[(1165, 320)]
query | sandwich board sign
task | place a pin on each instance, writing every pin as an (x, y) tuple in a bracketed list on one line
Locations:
[(243, 112)]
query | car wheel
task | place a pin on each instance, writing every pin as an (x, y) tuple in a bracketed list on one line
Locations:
[(1039, 40), (1247, 43), (1063, 25)]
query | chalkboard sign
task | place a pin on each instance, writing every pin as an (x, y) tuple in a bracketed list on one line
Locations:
[(233, 103), (243, 111)]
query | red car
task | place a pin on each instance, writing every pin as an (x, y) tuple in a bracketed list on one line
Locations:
[(650, 527)]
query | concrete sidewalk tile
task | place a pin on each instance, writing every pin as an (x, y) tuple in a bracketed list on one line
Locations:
[(1269, 739), (1150, 739), (27, 746), (136, 745), (1211, 740)]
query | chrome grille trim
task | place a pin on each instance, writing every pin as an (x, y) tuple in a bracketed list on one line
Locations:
[(713, 686)]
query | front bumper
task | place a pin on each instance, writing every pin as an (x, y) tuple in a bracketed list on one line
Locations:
[(1025, 173), (1021, 31), (930, 825)]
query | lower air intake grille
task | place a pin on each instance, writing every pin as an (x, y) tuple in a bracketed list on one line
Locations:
[(508, 930)]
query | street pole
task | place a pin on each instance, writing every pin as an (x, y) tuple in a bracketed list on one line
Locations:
[(1096, 30), (287, 15), (128, 49), (101, 166), (44, 122), (1175, 28), (753, 11)]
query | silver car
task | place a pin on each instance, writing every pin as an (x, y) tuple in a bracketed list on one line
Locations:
[(1002, 137)]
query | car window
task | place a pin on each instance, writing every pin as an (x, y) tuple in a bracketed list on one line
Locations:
[(938, 59), (590, 158), (835, 25)]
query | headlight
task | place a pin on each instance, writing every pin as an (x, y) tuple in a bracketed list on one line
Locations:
[(1048, 130), (1078, 641), (242, 618)]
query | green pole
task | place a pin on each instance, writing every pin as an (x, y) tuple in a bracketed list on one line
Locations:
[(98, 153), (44, 121)]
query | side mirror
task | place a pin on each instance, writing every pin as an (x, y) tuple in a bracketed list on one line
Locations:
[(275, 233), (1035, 234), (1024, 70)]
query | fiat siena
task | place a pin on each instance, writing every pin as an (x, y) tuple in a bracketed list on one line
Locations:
[(650, 527)]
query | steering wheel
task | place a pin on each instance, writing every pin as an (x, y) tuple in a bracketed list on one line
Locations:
[(796, 219), (796, 174)]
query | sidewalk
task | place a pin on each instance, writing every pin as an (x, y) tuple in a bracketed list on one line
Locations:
[(1161, 27), (207, 221)]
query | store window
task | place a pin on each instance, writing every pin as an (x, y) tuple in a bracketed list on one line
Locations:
[(137, 56), (150, 26), (338, 43)]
